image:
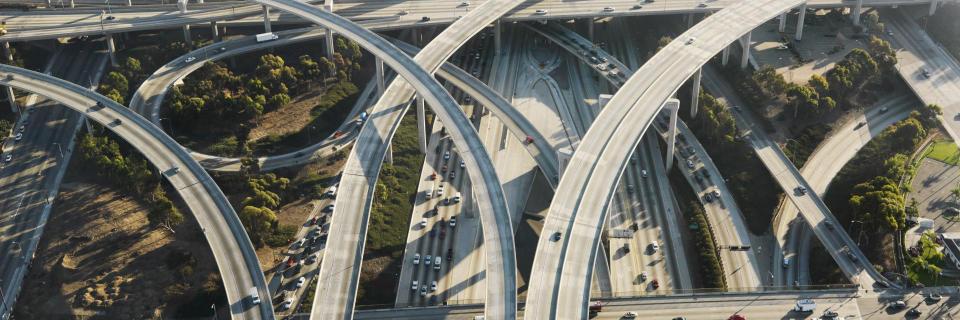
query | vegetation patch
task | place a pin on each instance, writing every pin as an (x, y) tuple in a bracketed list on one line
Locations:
[(390, 217), (706, 267), (944, 151), (799, 150)]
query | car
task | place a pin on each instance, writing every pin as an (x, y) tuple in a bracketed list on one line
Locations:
[(440, 191), (540, 12), (802, 190), (117, 122), (786, 263), (829, 314), (736, 317), (429, 193), (465, 4), (690, 40), (643, 173), (462, 164), (433, 176), (8, 158), (299, 243), (19, 136), (446, 155), (425, 19), (914, 312), (190, 59), (556, 236), (708, 198), (403, 13), (22, 128), (655, 284), (222, 49), (329, 208), (110, 18), (608, 9), (443, 168), (679, 318), (312, 258), (453, 221), (423, 223), (702, 5), (433, 286), (654, 246), (899, 304), (643, 276), (935, 297), (716, 194), (637, 7), (414, 285), (416, 258), (300, 282), (890, 33), (926, 73), (286, 304), (828, 224), (428, 260), (630, 315), (423, 291), (883, 110), (452, 175), (436, 262)]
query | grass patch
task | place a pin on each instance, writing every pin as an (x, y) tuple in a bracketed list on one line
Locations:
[(390, 216), (944, 151)]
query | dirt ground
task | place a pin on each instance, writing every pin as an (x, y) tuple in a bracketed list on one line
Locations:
[(292, 117), (99, 246)]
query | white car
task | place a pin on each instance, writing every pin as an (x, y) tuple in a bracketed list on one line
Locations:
[(414, 285), (453, 221), (440, 191), (691, 40), (19, 136), (8, 158), (429, 193), (286, 304), (190, 59), (416, 261), (446, 155), (433, 286), (630, 315), (654, 246), (436, 263), (643, 173), (301, 281), (608, 9), (423, 223), (689, 163), (462, 164), (540, 12)]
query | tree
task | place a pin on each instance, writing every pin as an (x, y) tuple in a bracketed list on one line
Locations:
[(803, 98), (258, 221), (772, 82), (883, 54), (115, 95), (117, 81), (310, 67), (878, 202)]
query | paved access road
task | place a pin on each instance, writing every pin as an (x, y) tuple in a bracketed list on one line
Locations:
[(336, 291), (231, 247), (562, 267)]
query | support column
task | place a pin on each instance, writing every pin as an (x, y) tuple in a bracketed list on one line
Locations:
[(421, 125), (783, 22), (673, 106), (803, 14), (129, 3), (590, 29), (695, 95), (934, 4), (497, 29), (214, 31), (380, 84), (855, 15), (266, 19), (73, 4), (328, 4), (7, 53), (725, 55), (112, 48), (691, 17), (388, 158), (12, 99), (745, 53), (186, 36)]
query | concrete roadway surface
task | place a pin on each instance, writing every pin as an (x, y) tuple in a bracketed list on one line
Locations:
[(562, 267), (825, 226), (231, 247), (643, 202), (917, 52), (29, 182), (340, 270), (819, 170), (307, 256)]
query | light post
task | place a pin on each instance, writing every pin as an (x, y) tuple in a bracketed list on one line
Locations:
[(3, 302), (60, 150), (214, 307), (859, 234)]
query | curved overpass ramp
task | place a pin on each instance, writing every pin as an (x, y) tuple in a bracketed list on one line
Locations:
[(561, 270), (336, 291), (232, 249)]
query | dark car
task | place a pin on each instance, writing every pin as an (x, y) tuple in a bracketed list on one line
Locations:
[(556, 236), (425, 19), (914, 312)]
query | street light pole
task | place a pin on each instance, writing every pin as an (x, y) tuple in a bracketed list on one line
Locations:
[(59, 150)]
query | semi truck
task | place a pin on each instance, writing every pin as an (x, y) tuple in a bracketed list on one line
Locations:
[(269, 36)]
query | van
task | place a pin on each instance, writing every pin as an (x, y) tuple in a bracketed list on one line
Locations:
[(429, 193), (436, 263), (254, 296)]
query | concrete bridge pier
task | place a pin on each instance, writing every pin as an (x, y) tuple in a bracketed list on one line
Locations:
[(328, 4), (266, 19), (497, 37), (380, 84), (783, 22), (73, 4), (725, 55), (745, 53), (934, 4), (11, 97), (112, 48), (857, 10), (803, 14), (695, 94), (421, 125), (590, 31), (214, 31), (672, 105), (691, 19), (186, 36)]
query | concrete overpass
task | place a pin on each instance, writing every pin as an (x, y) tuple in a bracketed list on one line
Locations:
[(236, 258)]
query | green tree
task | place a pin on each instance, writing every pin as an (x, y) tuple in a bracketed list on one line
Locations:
[(259, 222)]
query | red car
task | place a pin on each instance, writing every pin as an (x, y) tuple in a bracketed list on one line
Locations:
[(736, 317), (529, 140), (655, 283), (433, 176)]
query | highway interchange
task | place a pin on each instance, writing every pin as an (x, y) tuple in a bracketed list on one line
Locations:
[(567, 248)]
